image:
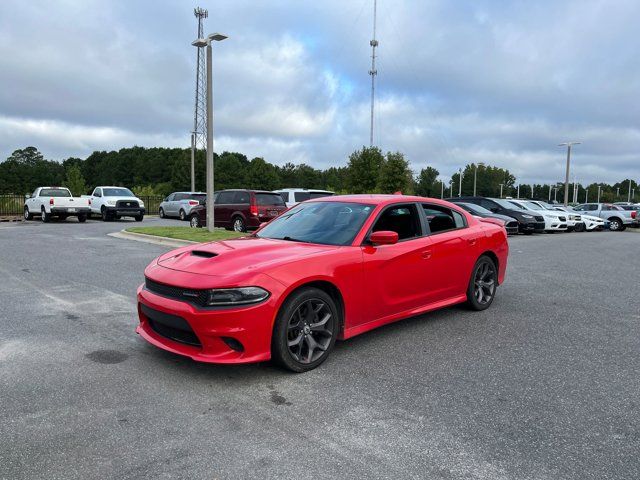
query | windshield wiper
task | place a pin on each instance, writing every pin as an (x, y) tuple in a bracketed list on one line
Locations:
[(291, 239)]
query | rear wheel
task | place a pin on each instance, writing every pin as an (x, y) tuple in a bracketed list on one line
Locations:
[(615, 224), (182, 215), (238, 224), (194, 221), (27, 214), (305, 330), (482, 284), (82, 218), (45, 217)]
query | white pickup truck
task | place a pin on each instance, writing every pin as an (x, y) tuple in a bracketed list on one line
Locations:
[(55, 202), (116, 202)]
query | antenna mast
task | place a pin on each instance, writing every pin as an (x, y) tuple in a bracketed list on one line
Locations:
[(373, 72), (199, 114)]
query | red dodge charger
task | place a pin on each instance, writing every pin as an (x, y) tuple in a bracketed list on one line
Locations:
[(324, 270)]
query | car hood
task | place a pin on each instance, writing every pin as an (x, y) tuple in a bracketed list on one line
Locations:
[(237, 256)]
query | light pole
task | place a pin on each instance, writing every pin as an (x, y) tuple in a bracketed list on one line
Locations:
[(518, 197), (532, 194), (629, 194), (549, 193), (555, 194), (460, 185), (441, 189), (193, 162), (475, 176), (617, 192), (206, 42), (566, 178), (599, 187), (586, 195), (501, 185)]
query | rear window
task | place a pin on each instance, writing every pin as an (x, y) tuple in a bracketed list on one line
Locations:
[(301, 196), (198, 196), (269, 199), (314, 195), (54, 192)]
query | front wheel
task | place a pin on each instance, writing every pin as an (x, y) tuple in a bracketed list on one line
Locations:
[(580, 227), (482, 284), (105, 215), (305, 330), (139, 218), (194, 221), (161, 212), (27, 214)]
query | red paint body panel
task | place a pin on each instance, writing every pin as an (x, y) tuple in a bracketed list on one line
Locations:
[(378, 284)]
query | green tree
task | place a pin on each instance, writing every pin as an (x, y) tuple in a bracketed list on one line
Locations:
[(364, 169), (426, 183), (395, 174), (262, 175), (75, 181)]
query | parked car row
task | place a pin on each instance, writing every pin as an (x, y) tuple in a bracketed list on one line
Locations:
[(536, 216), (107, 202)]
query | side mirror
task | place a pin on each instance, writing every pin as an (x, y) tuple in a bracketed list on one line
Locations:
[(383, 237), (166, 199), (27, 197)]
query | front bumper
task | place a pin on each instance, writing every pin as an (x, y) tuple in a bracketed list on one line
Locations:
[(217, 332), (126, 211)]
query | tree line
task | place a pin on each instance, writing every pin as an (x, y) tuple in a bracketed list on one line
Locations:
[(159, 171)]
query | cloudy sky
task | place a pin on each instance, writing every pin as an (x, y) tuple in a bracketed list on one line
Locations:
[(458, 81)]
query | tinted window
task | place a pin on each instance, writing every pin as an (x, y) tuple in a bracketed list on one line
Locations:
[(201, 197), (54, 192), (118, 192), (328, 223), (488, 204), (266, 199), (402, 219), (179, 196), (442, 219), (242, 197), (301, 196), (315, 195), (224, 198), (285, 196)]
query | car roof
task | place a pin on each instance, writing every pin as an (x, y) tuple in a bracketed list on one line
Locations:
[(380, 199), (245, 190), (302, 190)]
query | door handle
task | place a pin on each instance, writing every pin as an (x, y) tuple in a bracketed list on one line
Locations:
[(426, 254)]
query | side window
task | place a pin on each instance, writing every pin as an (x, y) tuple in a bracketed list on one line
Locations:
[(402, 219), (488, 204), (179, 196), (301, 196), (224, 198), (285, 196), (35, 192), (97, 192), (241, 197), (442, 219)]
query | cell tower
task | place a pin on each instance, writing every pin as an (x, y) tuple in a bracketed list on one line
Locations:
[(373, 72), (200, 111)]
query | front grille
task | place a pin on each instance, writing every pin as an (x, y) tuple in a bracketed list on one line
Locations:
[(170, 326), (127, 204), (539, 218), (197, 297)]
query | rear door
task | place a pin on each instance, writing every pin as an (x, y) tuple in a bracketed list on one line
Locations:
[(222, 208)]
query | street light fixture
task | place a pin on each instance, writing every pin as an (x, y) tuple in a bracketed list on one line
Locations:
[(200, 43), (566, 178)]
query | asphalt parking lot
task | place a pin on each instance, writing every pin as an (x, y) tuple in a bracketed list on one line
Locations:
[(543, 385)]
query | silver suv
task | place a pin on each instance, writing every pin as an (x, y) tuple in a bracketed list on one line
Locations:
[(180, 204)]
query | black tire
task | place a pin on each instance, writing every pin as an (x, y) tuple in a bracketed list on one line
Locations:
[(615, 224), (82, 218), (139, 218), (303, 334), (182, 215), (238, 224), (27, 214), (161, 212), (89, 216), (482, 284), (580, 227), (45, 217), (194, 221), (105, 215)]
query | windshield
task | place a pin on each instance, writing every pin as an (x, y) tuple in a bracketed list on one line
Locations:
[(54, 192), (505, 204), (532, 206), (327, 223), (268, 199), (117, 192)]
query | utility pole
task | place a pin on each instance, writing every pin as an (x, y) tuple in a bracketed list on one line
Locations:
[(460, 185), (518, 194), (555, 194), (373, 72), (549, 193), (206, 42), (599, 187), (198, 134), (532, 194), (501, 185), (566, 178), (475, 176), (441, 189), (629, 194), (586, 195)]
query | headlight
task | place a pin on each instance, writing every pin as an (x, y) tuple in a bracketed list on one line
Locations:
[(111, 203), (527, 216), (236, 296), (141, 203)]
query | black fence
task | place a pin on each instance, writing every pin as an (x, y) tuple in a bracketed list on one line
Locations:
[(11, 205)]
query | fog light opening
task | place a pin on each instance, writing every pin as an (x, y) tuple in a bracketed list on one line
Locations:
[(233, 344)]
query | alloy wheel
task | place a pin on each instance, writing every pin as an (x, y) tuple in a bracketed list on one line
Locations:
[(309, 331), (195, 223), (238, 225), (484, 283)]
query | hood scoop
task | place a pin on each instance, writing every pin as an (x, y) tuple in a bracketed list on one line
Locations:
[(203, 254)]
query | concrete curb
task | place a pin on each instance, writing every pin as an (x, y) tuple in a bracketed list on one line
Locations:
[(141, 237)]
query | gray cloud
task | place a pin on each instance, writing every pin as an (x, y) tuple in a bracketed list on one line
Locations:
[(500, 82)]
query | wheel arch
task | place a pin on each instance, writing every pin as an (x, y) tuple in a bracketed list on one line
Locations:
[(491, 254)]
